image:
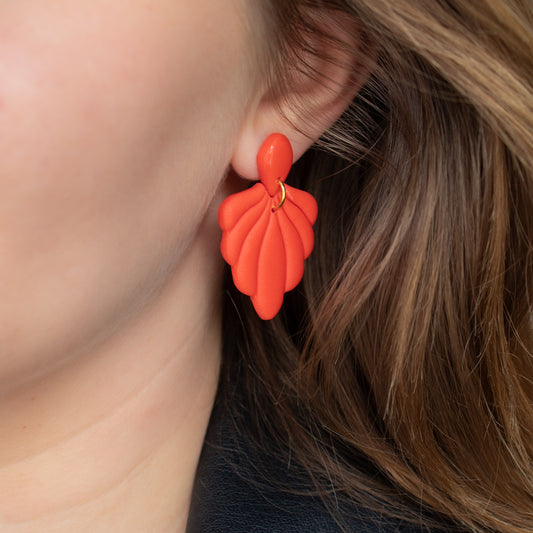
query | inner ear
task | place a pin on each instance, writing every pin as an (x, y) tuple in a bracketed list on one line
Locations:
[(318, 79), (320, 82)]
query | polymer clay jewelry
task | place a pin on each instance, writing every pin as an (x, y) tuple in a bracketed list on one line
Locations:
[(267, 230)]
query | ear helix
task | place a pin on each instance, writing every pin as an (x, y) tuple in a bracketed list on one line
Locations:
[(267, 230)]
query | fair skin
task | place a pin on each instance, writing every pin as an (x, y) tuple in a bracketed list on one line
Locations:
[(118, 121)]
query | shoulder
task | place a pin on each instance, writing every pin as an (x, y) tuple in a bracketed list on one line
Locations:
[(232, 495)]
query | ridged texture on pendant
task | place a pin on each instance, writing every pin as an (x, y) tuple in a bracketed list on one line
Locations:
[(265, 245)]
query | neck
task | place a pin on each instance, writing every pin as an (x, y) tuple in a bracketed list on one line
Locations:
[(110, 441)]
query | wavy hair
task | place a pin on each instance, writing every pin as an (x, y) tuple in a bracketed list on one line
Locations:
[(409, 343)]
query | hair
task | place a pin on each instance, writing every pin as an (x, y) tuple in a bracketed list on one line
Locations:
[(408, 345)]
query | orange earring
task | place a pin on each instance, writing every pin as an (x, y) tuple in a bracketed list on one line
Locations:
[(267, 230)]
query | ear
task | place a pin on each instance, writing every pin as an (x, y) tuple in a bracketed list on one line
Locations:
[(319, 84)]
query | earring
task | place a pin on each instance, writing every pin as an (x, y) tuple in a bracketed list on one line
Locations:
[(267, 230)]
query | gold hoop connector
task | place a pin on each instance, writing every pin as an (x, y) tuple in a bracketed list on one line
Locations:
[(283, 195)]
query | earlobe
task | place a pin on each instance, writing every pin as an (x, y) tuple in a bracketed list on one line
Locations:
[(317, 88)]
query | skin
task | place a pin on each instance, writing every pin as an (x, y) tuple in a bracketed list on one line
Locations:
[(117, 124)]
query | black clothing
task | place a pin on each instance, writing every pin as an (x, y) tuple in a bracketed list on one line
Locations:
[(230, 496)]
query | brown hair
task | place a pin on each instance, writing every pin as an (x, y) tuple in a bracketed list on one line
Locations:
[(409, 341)]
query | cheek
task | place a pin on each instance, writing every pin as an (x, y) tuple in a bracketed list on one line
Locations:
[(109, 156), (90, 100)]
